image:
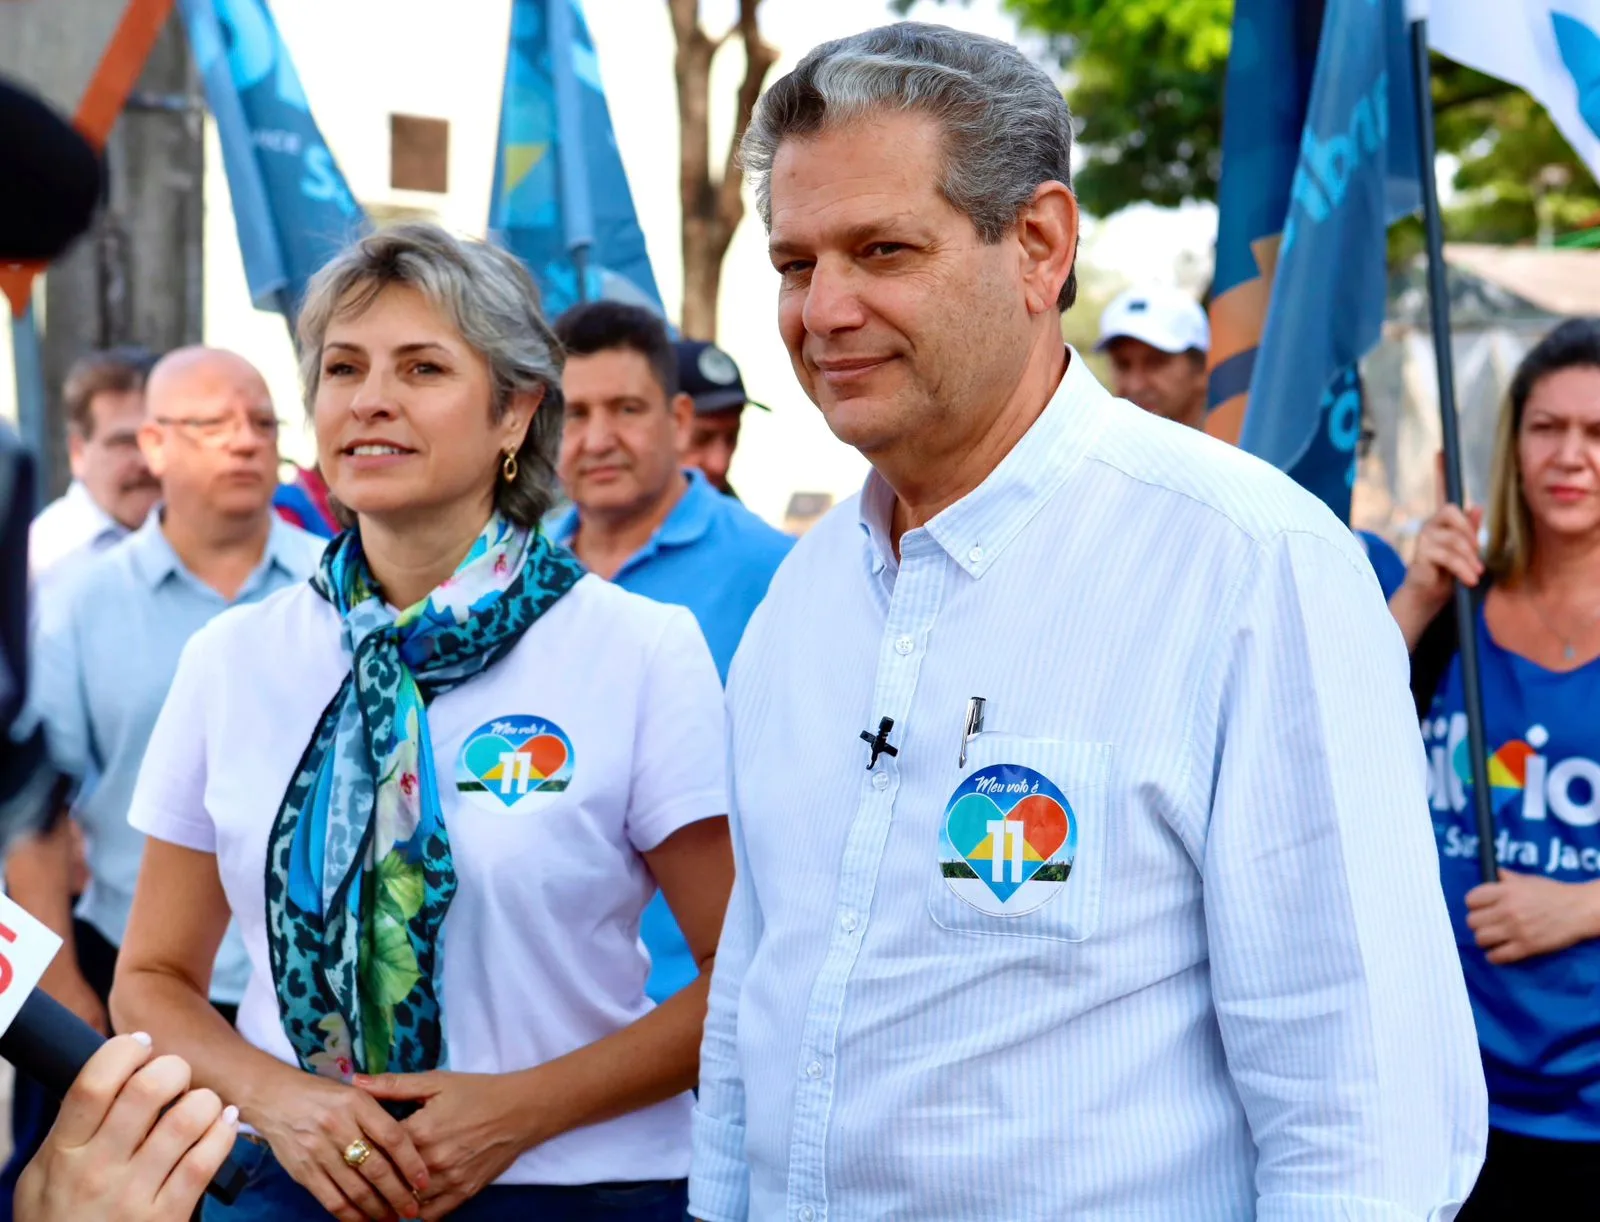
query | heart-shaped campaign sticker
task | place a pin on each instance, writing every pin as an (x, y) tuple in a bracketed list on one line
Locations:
[(508, 760), (1009, 840)]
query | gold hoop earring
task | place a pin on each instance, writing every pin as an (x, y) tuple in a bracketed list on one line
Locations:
[(508, 468)]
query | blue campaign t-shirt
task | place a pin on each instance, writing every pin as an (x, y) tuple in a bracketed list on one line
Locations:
[(1538, 1020), (715, 557), (1385, 561)]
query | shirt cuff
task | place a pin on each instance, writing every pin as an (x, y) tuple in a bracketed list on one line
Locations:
[(1305, 1207), (719, 1184)]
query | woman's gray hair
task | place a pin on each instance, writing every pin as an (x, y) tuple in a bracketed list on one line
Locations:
[(493, 303), (1007, 127)]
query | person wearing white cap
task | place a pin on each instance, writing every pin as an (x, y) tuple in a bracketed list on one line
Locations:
[(1157, 339)]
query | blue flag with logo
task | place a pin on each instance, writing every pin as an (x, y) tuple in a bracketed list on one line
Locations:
[(561, 202), (291, 205), (1319, 155)]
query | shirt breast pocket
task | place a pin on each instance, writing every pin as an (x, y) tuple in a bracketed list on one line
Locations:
[(1022, 840)]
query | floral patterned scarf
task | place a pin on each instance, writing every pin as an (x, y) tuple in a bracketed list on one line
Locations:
[(359, 872)]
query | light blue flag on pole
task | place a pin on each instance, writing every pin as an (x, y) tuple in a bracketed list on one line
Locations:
[(292, 207), (1319, 157), (561, 202)]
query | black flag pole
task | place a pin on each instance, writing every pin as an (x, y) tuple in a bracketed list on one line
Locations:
[(1450, 427)]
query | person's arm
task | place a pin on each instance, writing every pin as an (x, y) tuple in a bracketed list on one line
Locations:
[(473, 1126), (1333, 967), (39, 877), (39, 867), (180, 914), (114, 1155)]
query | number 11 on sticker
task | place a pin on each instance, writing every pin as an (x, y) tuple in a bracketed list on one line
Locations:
[(1002, 830), (516, 768)]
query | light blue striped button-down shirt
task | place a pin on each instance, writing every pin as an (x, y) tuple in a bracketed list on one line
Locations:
[(1210, 976)]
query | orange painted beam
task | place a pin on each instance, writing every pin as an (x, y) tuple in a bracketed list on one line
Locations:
[(119, 68), (103, 99), (16, 282)]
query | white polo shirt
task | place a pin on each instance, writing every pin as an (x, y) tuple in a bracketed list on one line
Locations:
[(621, 702)]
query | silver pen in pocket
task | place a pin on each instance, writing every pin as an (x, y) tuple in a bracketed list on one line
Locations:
[(972, 728)]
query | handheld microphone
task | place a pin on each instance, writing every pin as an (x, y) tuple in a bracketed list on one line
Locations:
[(46, 1040)]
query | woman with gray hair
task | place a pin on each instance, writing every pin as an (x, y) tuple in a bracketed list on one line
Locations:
[(436, 787)]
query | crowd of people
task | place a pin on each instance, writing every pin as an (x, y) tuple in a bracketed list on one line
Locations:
[(501, 821)]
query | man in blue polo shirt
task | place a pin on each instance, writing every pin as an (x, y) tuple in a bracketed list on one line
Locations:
[(637, 516), (640, 519)]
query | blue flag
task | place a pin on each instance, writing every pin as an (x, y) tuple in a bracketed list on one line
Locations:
[(1319, 155), (561, 201), (291, 205)]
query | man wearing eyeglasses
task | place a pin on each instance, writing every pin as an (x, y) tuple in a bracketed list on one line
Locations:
[(107, 646)]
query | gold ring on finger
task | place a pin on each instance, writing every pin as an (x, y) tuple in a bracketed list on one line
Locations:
[(357, 1152)]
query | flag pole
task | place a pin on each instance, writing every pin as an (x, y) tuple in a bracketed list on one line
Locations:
[(1450, 427), (576, 213)]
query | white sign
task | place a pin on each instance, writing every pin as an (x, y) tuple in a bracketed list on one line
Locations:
[(26, 948)]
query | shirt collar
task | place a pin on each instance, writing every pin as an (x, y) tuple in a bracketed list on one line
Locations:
[(79, 498), (77, 494), (981, 525), (691, 517), (155, 560)]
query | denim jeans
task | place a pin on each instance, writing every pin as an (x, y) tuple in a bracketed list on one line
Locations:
[(271, 1195)]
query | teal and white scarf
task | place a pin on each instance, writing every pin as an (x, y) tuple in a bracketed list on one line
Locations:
[(359, 872)]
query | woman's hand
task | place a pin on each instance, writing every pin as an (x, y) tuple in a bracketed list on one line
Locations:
[(469, 1129), (1447, 552), (113, 1157), (1524, 915), (311, 1121)]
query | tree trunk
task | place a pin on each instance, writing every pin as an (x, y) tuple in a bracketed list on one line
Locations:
[(712, 202)]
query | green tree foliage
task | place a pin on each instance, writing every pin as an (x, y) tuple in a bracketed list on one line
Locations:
[(1145, 78)]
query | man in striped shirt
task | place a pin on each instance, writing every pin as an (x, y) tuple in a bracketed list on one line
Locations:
[(1126, 906)]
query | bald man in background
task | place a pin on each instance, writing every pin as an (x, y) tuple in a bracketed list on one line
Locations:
[(107, 646)]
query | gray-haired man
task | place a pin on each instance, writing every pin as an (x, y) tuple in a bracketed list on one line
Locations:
[(1133, 910)]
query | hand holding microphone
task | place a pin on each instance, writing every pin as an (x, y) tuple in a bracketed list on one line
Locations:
[(132, 1142), (114, 1156)]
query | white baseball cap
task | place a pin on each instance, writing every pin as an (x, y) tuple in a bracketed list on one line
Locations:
[(1164, 318)]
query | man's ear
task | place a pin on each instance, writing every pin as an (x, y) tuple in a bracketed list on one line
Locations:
[(153, 446), (682, 411), (1047, 235), (75, 445)]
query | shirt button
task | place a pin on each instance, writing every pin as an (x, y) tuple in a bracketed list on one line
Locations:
[(814, 1070), (975, 555), (880, 780), (849, 922), (807, 1213), (904, 646)]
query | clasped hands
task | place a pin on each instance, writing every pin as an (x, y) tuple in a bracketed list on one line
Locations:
[(467, 1130)]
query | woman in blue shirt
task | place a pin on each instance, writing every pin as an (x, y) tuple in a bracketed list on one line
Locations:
[(1530, 942)]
